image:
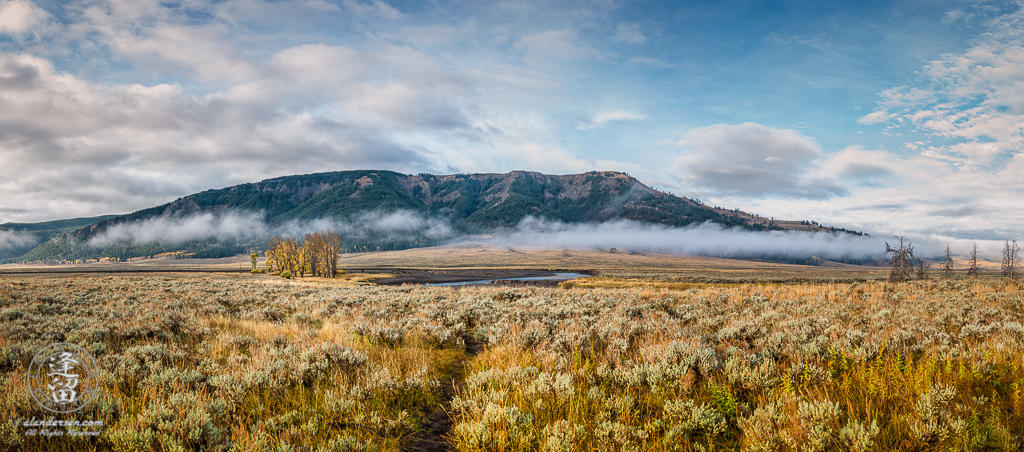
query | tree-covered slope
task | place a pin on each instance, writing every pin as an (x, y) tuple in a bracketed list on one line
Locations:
[(42, 232), (469, 203)]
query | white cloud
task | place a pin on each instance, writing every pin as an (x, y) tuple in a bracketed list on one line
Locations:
[(754, 161), (975, 99), (904, 97), (155, 39), (913, 195), (20, 16), (135, 146), (876, 117), (613, 115), (859, 165)]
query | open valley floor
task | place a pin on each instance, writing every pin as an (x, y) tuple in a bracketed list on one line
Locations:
[(651, 352)]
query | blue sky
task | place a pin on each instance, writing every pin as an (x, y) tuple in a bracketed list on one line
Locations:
[(893, 117)]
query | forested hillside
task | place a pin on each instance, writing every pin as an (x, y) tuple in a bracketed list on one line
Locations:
[(467, 203), (41, 232), (472, 201)]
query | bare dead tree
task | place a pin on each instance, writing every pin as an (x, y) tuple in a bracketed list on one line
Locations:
[(922, 268), (972, 270), (1011, 260), (947, 267), (902, 262)]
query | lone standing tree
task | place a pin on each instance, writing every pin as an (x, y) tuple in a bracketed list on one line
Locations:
[(947, 267), (1011, 260), (972, 271), (902, 262)]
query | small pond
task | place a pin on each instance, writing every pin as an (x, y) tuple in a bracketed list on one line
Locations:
[(556, 276)]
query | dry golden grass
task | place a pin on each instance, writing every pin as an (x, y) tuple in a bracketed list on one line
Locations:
[(341, 280), (478, 255), (256, 362)]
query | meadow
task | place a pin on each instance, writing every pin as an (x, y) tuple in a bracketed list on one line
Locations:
[(653, 362)]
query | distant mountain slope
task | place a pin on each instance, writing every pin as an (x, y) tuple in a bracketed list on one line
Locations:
[(472, 203), (55, 227), (44, 231)]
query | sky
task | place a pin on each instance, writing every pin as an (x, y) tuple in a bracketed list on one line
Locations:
[(895, 117)]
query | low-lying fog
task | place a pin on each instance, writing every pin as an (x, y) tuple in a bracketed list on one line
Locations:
[(703, 239)]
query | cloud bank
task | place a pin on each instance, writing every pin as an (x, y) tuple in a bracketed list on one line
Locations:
[(703, 239), (15, 240), (753, 160), (715, 240), (409, 226), (240, 226)]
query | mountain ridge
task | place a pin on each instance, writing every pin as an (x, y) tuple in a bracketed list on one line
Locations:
[(471, 203), (482, 199)]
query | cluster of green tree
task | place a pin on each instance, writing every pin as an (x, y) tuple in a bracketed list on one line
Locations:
[(834, 229), (67, 248), (214, 252), (387, 244), (766, 225)]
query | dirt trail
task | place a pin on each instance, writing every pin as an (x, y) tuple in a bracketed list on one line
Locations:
[(439, 423)]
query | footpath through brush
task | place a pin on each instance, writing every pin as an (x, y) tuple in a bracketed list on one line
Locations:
[(439, 423)]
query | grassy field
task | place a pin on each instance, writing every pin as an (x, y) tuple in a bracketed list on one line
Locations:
[(622, 265), (254, 362)]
